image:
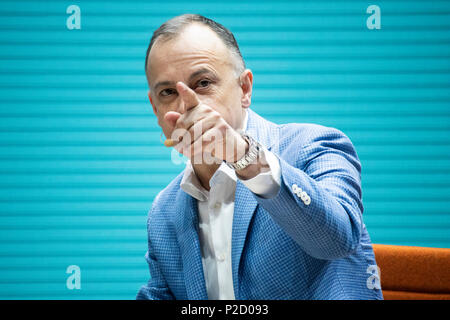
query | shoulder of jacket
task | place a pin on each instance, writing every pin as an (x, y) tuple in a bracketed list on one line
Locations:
[(308, 133)]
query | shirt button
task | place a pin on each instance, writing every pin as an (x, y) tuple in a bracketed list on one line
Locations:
[(217, 205), (221, 257)]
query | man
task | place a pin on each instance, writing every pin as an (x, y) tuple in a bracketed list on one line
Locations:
[(276, 215)]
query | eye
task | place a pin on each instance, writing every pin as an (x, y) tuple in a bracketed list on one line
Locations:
[(204, 83), (167, 92)]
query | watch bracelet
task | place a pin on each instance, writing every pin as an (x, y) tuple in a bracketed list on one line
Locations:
[(249, 157)]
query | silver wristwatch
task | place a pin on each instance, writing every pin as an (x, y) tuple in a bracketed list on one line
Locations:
[(252, 154)]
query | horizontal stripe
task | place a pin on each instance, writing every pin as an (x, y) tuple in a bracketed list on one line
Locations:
[(239, 7)]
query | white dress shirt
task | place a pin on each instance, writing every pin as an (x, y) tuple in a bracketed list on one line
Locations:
[(216, 209)]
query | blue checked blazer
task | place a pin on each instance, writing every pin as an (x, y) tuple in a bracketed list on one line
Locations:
[(281, 248)]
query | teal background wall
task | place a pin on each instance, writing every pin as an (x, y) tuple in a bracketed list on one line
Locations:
[(80, 157)]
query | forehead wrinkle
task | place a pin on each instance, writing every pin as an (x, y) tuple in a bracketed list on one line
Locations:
[(202, 55)]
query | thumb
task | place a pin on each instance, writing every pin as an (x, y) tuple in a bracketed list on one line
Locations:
[(171, 118), (188, 96)]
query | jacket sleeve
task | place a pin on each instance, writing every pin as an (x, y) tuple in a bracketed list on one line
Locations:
[(329, 171), (156, 288)]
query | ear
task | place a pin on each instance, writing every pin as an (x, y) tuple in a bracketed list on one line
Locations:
[(246, 83), (151, 101)]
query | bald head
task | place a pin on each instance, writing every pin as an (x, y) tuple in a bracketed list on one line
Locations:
[(175, 27)]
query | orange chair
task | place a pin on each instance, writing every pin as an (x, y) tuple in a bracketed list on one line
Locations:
[(413, 273)]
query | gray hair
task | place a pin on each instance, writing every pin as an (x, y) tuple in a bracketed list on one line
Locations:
[(173, 27)]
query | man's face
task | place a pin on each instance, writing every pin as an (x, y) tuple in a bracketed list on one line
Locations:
[(199, 58)]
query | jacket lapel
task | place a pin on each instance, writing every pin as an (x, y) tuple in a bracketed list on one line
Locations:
[(244, 207), (265, 132), (245, 204), (185, 221)]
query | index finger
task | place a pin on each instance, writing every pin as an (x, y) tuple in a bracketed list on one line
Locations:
[(188, 96)]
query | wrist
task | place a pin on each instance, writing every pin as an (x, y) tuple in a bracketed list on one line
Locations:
[(247, 154), (260, 165), (242, 149)]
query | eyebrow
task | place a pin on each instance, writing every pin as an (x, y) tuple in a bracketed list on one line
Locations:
[(192, 76)]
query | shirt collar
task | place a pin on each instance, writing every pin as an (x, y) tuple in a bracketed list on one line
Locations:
[(191, 185), (224, 176)]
